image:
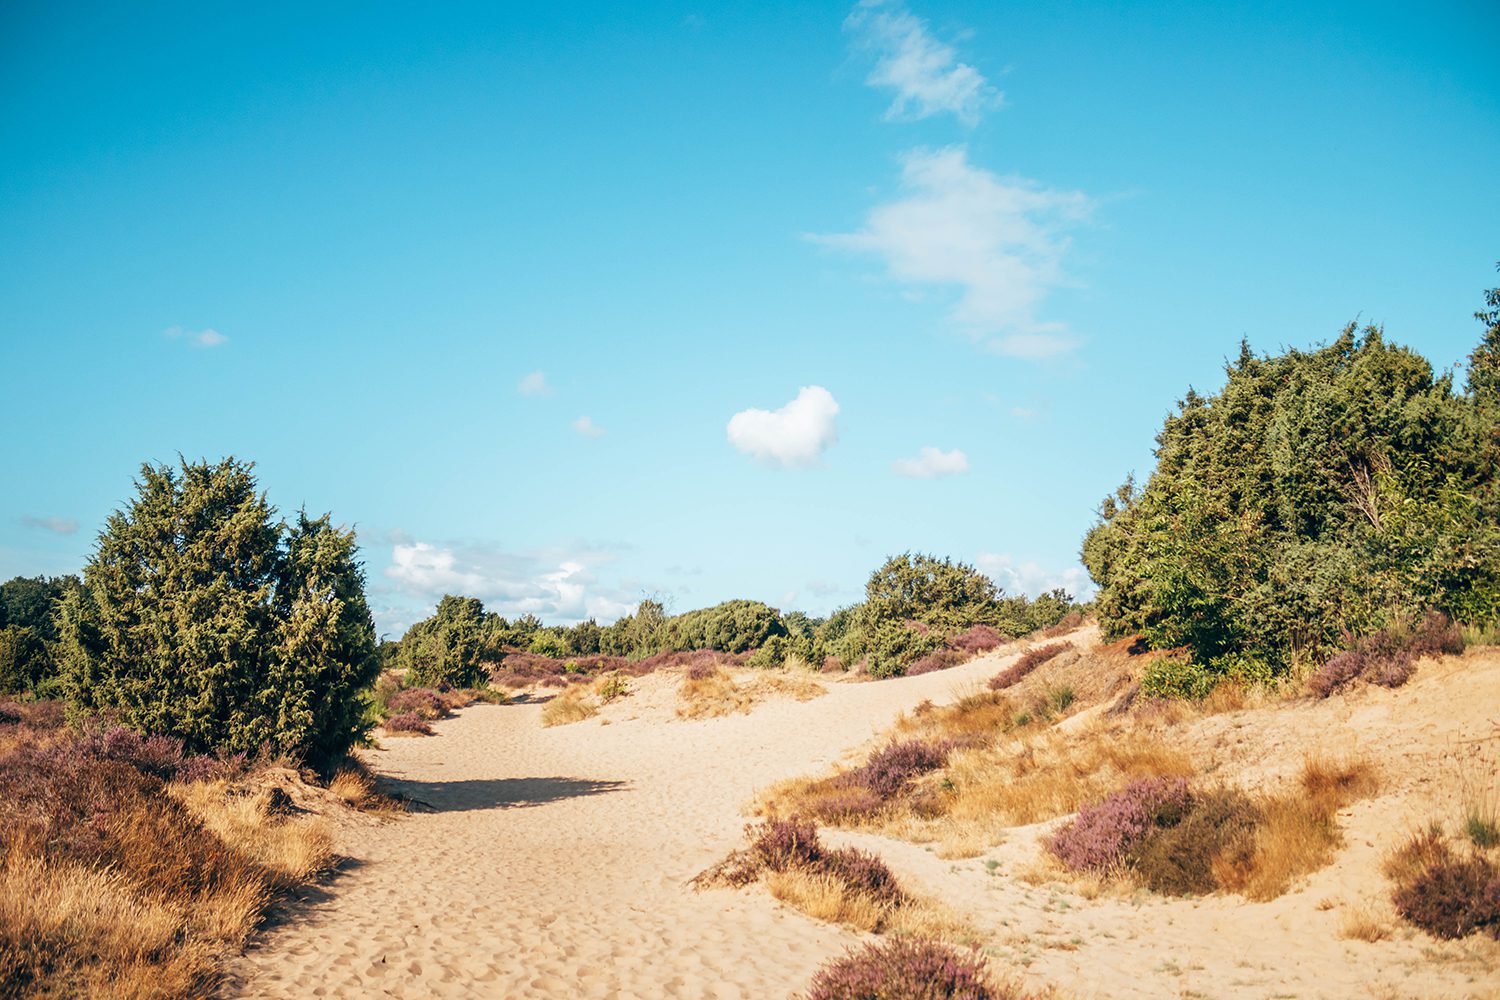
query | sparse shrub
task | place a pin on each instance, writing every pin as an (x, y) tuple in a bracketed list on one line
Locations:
[(1480, 824), (904, 969), (1101, 835), (1065, 624), (573, 704), (778, 843), (610, 687), (1387, 657), (1026, 663), (701, 670), (862, 872), (1336, 672), (409, 722)]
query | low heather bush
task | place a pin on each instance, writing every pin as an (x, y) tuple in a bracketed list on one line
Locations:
[(904, 969), (862, 872), (1065, 624), (1100, 836), (408, 722), (779, 843), (1452, 897), (979, 639), (1388, 657), (424, 702), (701, 670), (1028, 661), (10, 713), (890, 769), (941, 659)]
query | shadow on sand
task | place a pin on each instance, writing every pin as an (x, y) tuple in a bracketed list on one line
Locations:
[(495, 793)]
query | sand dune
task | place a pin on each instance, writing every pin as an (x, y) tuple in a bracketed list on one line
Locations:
[(553, 862)]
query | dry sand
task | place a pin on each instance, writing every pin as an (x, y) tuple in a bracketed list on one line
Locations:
[(554, 862)]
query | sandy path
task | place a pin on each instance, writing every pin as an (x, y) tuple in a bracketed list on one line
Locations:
[(555, 862)]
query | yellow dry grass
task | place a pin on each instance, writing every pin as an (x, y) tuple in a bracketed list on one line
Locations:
[(1363, 923), (719, 694), (291, 848), (824, 897), (572, 704)]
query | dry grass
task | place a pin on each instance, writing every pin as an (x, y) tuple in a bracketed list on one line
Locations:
[(1298, 832), (572, 704), (824, 897), (1363, 923), (719, 694), (291, 848), (94, 934)]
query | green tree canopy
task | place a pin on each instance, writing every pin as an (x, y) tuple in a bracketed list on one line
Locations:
[(204, 619)]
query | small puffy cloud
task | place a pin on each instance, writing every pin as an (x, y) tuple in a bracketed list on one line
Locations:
[(557, 586), (925, 73), (56, 525), (931, 463), (198, 338), (534, 384), (587, 427), (1032, 579), (997, 242), (797, 434)]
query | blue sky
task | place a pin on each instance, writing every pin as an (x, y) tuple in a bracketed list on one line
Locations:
[(562, 305)]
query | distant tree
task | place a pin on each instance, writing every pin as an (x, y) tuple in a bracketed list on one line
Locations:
[(24, 659), (449, 647), (203, 619), (731, 627), (583, 638), (937, 592)]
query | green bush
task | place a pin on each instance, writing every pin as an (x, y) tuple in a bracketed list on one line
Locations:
[(549, 643), (202, 619), (730, 627), (1319, 494), (1176, 677), (894, 646), (24, 659), (448, 648)]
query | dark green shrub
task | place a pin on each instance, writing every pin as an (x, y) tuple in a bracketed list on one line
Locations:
[(731, 627), (1319, 494), (894, 645), (447, 648), (202, 619), (1177, 677)]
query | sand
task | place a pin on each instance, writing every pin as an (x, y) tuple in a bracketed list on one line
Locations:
[(553, 863)]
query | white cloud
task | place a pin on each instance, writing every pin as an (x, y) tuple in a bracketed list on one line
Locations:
[(534, 384), (931, 463), (587, 427), (996, 241), (1032, 579), (794, 435), (198, 338), (56, 525), (555, 586), (925, 73)]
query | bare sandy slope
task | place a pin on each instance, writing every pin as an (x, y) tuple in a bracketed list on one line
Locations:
[(554, 863)]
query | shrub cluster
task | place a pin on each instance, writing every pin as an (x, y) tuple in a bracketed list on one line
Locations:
[(780, 845), (1319, 494), (1105, 835), (1446, 894), (1388, 657), (908, 968), (1026, 663)]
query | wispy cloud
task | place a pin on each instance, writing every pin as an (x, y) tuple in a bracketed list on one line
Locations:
[(557, 586), (925, 73), (1033, 579), (587, 427), (931, 463), (198, 338), (998, 242), (534, 384), (796, 434), (56, 525)]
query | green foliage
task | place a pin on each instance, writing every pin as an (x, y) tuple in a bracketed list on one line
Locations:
[(202, 619), (730, 627), (1320, 493), (447, 648), (24, 659), (937, 592), (549, 642), (1177, 677), (772, 654), (895, 645)]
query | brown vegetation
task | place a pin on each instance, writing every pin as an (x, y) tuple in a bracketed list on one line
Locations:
[(710, 692), (129, 870)]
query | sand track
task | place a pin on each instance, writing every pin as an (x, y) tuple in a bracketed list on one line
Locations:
[(554, 860)]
